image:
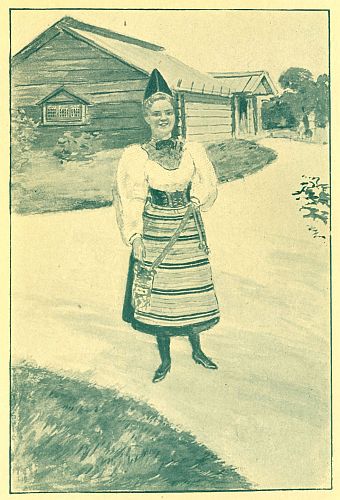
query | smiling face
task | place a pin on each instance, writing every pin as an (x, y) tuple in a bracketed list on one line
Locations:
[(160, 116)]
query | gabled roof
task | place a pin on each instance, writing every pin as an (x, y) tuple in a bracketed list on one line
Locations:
[(139, 54), (70, 22), (177, 74), (62, 95), (247, 81)]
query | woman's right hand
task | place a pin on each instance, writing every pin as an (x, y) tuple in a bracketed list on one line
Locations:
[(138, 248)]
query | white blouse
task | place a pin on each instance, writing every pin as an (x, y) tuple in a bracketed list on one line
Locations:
[(136, 173)]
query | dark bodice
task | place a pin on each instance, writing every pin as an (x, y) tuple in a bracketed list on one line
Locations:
[(171, 199)]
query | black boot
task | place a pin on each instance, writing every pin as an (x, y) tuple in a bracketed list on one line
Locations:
[(163, 342), (198, 355)]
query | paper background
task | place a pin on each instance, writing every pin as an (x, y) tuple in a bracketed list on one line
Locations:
[(5, 270)]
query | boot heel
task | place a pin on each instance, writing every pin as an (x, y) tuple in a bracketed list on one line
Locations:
[(161, 373), (202, 359)]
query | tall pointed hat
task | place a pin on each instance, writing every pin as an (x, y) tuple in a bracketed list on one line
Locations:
[(156, 84)]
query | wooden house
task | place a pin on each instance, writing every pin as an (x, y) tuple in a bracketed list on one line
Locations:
[(78, 77), (248, 89)]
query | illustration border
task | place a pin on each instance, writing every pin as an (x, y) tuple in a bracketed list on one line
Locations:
[(330, 249)]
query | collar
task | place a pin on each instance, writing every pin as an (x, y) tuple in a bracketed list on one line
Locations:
[(165, 143)]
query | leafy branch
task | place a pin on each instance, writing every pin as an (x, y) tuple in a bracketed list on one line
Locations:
[(315, 198)]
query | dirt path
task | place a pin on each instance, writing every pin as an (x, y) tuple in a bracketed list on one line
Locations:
[(266, 409)]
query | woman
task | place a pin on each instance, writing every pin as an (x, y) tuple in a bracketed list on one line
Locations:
[(160, 186)]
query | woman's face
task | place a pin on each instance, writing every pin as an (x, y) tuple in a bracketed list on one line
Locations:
[(161, 118)]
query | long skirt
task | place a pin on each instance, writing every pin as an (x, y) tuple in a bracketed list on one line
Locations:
[(183, 299)]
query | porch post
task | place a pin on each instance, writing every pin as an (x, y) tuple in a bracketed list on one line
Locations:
[(250, 116), (183, 117), (236, 117), (259, 113)]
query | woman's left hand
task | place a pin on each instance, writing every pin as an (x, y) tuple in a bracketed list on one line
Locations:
[(138, 248)]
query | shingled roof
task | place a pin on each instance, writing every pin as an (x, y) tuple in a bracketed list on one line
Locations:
[(139, 54)]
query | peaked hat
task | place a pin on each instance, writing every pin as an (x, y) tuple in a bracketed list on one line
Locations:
[(156, 84)]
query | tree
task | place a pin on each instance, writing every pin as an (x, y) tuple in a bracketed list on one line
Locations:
[(322, 101), (301, 97), (278, 113), (296, 79), (301, 90)]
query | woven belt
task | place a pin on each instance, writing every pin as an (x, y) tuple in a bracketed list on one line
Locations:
[(171, 199)]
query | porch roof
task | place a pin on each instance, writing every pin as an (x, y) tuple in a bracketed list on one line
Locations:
[(250, 82)]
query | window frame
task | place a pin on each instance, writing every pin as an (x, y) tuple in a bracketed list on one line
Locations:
[(64, 112)]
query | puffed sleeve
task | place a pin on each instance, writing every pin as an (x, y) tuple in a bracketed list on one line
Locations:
[(204, 181), (130, 192)]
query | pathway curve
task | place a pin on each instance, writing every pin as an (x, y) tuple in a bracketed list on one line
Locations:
[(266, 410)]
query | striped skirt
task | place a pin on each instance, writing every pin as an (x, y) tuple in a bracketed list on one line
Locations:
[(183, 299)]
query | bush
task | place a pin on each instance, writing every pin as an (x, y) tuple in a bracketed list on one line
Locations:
[(74, 147), (277, 113), (24, 134), (315, 203)]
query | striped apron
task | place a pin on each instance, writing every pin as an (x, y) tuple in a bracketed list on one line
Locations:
[(183, 299)]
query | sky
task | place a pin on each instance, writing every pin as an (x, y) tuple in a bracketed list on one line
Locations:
[(207, 40)]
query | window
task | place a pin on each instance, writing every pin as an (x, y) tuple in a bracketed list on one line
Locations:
[(62, 107), (63, 113), (75, 112), (51, 112)]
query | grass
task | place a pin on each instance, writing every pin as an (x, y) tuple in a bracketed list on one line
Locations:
[(235, 159), (46, 185), (68, 436)]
